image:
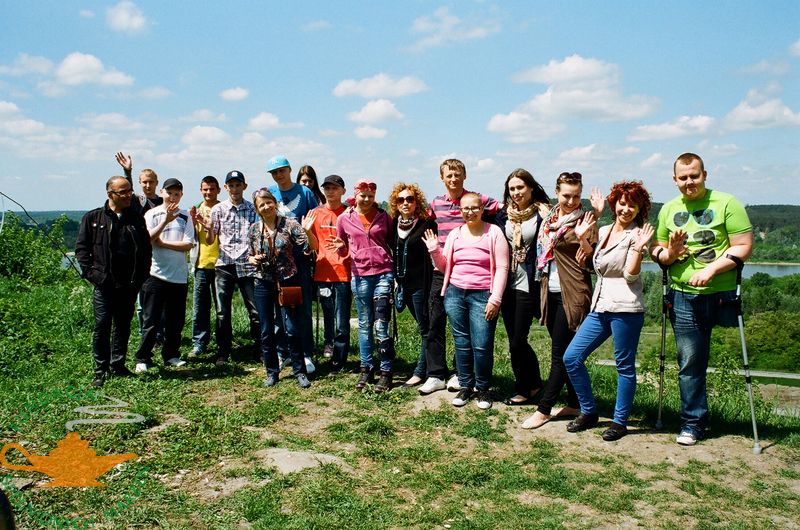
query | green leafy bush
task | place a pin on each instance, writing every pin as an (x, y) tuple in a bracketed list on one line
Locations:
[(29, 255)]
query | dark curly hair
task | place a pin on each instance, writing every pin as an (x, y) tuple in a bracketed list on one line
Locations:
[(632, 191)]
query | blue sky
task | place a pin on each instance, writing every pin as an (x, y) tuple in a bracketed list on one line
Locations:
[(386, 90)]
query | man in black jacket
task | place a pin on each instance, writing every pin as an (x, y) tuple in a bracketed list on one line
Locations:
[(114, 252)]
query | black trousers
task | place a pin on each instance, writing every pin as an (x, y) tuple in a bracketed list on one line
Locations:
[(435, 345), (112, 306), (519, 309), (159, 296), (561, 336)]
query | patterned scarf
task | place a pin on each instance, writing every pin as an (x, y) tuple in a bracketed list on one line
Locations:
[(406, 224), (553, 228), (517, 217)]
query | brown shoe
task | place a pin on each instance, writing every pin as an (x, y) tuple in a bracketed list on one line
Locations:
[(384, 383), (367, 376)]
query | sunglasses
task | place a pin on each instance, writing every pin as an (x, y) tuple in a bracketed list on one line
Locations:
[(363, 186), (122, 193), (570, 177), (409, 199)]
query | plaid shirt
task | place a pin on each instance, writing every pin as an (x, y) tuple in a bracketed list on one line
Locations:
[(232, 224)]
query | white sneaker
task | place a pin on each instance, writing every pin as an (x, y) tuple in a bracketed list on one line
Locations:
[(140, 368), (432, 384), (484, 400), (310, 368), (686, 438), (452, 384), (177, 362)]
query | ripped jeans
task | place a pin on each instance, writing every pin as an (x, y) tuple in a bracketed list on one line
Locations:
[(372, 294)]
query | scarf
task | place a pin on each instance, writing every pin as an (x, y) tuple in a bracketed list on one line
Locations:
[(406, 224), (517, 217), (553, 228)]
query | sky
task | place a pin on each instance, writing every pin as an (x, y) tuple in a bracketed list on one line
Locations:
[(386, 90)]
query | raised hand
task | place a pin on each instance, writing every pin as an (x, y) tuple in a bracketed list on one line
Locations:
[(334, 243), (430, 239), (642, 237), (307, 222), (172, 211), (584, 226), (125, 161), (598, 201), (677, 245)]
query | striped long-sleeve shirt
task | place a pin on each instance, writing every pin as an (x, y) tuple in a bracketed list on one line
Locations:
[(445, 211)]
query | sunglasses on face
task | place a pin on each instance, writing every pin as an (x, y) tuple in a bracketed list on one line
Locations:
[(122, 193), (409, 199)]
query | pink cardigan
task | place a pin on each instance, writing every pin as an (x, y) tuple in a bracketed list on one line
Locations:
[(498, 259)]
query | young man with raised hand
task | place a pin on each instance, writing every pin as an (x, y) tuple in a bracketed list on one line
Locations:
[(445, 210), (702, 235), (230, 220), (165, 291), (296, 200), (148, 180), (113, 249), (332, 274), (204, 258)]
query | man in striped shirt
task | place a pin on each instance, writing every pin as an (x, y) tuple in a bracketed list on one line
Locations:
[(445, 210)]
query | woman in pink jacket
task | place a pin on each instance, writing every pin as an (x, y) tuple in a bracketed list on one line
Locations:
[(475, 267)]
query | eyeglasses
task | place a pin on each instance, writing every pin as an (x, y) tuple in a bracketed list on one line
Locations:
[(122, 193), (409, 199), (470, 209)]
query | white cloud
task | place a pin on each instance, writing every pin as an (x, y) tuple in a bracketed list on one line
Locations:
[(366, 132), (679, 127), (380, 85), (204, 135), (26, 64), (86, 13), (653, 160), (267, 120), (234, 94), (376, 111), (155, 92), (486, 165), (760, 110), (15, 123), (594, 153), (442, 28), (577, 88), (112, 121), (203, 115), (767, 67), (794, 49), (316, 25), (80, 68), (717, 150), (126, 17)]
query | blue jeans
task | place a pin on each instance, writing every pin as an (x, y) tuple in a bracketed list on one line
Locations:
[(266, 294), (372, 294), (473, 335), (417, 303), (693, 316), (303, 279), (335, 299), (594, 331), (226, 279), (205, 294)]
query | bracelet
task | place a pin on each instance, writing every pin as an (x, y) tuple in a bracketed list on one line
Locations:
[(658, 253)]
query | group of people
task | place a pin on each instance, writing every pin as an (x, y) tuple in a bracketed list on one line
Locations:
[(463, 257)]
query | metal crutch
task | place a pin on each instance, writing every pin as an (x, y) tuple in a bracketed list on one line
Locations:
[(739, 266), (661, 358)]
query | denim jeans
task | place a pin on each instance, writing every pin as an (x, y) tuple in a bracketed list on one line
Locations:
[(335, 299), (693, 316), (473, 335), (417, 303), (159, 298), (594, 331), (205, 294), (111, 306), (226, 279), (372, 294), (265, 294)]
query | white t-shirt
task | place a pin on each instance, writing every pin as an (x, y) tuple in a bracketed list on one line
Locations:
[(170, 265)]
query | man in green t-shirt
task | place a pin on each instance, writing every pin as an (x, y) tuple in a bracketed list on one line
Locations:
[(697, 233)]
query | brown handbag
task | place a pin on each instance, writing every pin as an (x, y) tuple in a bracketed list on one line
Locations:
[(289, 296)]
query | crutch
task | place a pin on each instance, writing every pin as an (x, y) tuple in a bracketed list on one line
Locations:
[(739, 266), (316, 321), (662, 356)]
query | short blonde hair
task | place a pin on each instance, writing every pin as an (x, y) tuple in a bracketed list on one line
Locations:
[(148, 173), (422, 204), (452, 163)]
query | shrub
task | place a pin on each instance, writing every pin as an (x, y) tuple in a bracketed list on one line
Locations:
[(30, 255)]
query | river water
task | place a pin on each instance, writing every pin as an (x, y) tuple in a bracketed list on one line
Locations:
[(749, 269)]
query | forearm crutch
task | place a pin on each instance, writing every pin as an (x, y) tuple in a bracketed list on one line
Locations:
[(739, 266), (662, 354)]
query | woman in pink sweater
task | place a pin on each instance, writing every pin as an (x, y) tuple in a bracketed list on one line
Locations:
[(475, 267)]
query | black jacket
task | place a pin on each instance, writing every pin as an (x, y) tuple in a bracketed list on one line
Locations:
[(101, 233)]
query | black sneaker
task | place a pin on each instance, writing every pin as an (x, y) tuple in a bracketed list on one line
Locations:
[(122, 372), (484, 400), (462, 397), (99, 380)]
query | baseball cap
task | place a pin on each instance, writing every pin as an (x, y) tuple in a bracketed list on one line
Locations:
[(172, 183), (234, 175), (333, 179)]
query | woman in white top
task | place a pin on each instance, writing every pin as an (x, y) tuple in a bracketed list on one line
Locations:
[(617, 303)]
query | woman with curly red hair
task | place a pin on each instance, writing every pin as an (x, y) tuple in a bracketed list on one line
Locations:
[(617, 303)]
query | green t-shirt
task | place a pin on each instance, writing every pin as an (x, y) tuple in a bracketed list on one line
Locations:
[(708, 223)]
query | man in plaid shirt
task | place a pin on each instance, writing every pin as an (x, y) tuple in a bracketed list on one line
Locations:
[(231, 219)]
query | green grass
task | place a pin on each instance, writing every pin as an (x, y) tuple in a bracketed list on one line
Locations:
[(412, 466)]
